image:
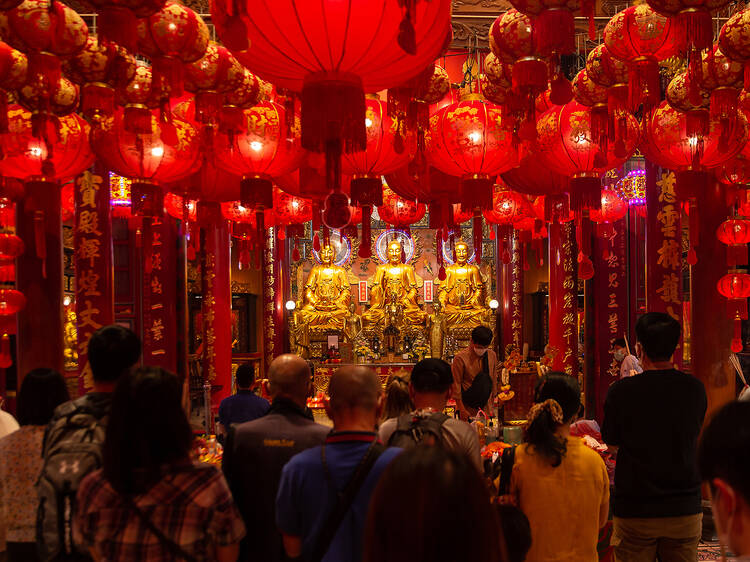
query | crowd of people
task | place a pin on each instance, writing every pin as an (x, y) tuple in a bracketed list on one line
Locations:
[(112, 475)]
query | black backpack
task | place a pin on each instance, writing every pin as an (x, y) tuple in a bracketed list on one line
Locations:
[(72, 450), (413, 429)]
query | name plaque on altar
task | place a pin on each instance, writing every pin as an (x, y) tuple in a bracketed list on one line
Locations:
[(428, 290)]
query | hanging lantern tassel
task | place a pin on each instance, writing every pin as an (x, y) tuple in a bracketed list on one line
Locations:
[(525, 255), (477, 233), (554, 31), (365, 245), (407, 35), (644, 83), (244, 256), (6, 360), (724, 109), (538, 249), (737, 339), (260, 228), (295, 253), (40, 240), (693, 233), (695, 30), (316, 242)]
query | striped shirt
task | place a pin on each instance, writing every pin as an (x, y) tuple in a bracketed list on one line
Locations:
[(191, 505)]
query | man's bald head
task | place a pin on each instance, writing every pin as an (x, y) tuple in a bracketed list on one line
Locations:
[(289, 375), (354, 386)]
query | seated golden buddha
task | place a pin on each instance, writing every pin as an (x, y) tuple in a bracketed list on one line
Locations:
[(394, 285), (461, 295), (325, 300)]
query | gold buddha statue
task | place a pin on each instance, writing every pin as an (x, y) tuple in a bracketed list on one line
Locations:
[(325, 300), (394, 286), (461, 294)]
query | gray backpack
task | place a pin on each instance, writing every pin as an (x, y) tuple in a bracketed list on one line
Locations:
[(72, 450), (412, 430)]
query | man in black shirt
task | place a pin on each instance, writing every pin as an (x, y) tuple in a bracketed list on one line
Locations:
[(653, 420), (257, 450)]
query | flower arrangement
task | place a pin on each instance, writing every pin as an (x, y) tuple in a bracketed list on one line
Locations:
[(512, 358)]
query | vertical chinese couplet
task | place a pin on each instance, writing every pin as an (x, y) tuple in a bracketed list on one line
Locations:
[(269, 299), (563, 298), (160, 293), (217, 301), (95, 305), (513, 293), (611, 306), (663, 246)]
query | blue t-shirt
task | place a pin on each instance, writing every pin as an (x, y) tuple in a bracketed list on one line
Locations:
[(242, 407), (306, 498)]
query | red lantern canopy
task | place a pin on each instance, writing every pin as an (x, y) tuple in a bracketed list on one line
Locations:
[(666, 142), (735, 233), (735, 286), (469, 139), (146, 159), (734, 42), (26, 157), (172, 37), (566, 145), (268, 150), (332, 52), (641, 38), (399, 212)]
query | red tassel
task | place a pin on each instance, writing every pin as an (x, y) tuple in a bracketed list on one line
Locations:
[(365, 244), (554, 32), (118, 25), (316, 242), (737, 339), (168, 74), (441, 273), (6, 360), (695, 30), (295, 253), (530, 74), (492, 234), (561, 90), (644, 83), (477, 228), (697, 123), (137, 120)]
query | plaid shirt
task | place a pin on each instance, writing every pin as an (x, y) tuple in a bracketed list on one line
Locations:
[(191, 505)]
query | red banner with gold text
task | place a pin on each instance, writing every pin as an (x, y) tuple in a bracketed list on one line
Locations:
[(93, 264), (563, 298)]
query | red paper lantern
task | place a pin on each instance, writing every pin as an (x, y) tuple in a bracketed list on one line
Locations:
[(641, 38), (99, 68), (508, 207), (11, 301), (735, 233), (289, 209), (147, 159), (180, 208), (666, 142), (138, 99), (554, 23), (589, 93), (67, 200), (209, 78), (268, 150), (604, 69), (735, 171), (696, 116), (27, 157), (735, 286), (566, 144), (248, 94), (333, 52), (398, 211), (722, 77), (613, 208), (470, 139), (735, 43), (117, 19), (13, 72), (172, 37)]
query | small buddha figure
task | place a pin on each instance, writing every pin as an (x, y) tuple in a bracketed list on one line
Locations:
[(437, 329), (352, 325), (461, 294), (326, 295), (394, 284)]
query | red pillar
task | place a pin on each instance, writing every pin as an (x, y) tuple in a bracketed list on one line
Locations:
[(217, 301), (664, 246), (95, 305), (40, 278), (712, 327), (563, 298), (512, 296)]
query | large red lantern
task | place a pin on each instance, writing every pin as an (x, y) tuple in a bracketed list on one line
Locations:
[(641, 37), (566, 144), (613, 208), (180, 208), (735, 286), (666, 142), (508, 207), (722, 77), (735, 233), (26, 157), (470, 139), (593, 95), (269, 149), (11, 301), (332, 52), (172, 37), (248, 94), (147, 159), (99, 68), (138, 99)]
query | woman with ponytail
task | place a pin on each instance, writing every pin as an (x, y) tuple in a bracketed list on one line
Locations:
[(559, 483)]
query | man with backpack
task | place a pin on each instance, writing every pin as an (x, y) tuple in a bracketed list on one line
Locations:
[(475, 373), (430, 388), (73, 442)]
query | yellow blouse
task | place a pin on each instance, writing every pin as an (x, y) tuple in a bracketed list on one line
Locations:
[(563, 503)]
